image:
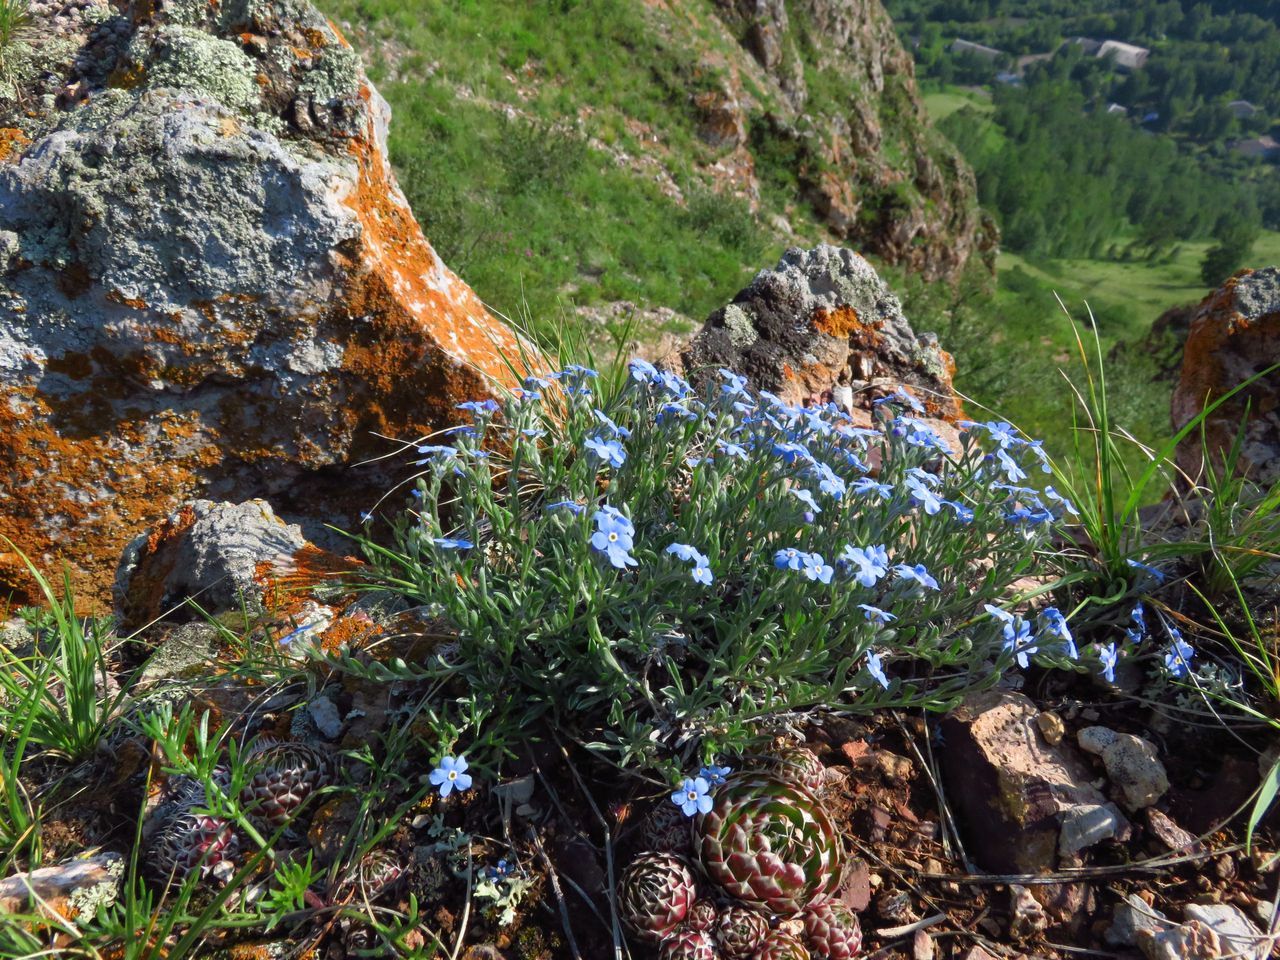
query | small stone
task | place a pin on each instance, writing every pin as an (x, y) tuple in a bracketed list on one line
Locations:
[(326, 717), (1026, 915), (1236, 931), (189, 649), (1169, 833), (977, 953), (1131, 763), (1191, 941), (1130, 917), (1089, 823), (1051, 727), (922, 946)]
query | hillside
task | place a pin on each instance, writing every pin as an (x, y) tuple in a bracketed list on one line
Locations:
[(685, 142)]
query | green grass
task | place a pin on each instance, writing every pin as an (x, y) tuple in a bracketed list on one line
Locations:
[(943, 102)]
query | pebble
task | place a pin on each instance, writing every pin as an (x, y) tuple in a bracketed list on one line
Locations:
[(1236, 931), (1051, 727)]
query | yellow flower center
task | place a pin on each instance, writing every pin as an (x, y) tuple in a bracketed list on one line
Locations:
[(613, 537), (453, 774)]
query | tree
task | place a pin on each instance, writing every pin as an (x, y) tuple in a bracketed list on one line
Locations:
[(1229, 254)]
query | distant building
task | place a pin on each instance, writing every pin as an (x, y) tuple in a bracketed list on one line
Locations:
[(1009, 79), (1033, 58), (1242, 109), (1151, 117), (1088, 46), (1114, 109), (977, 49), (1266, 148), (1124, 55)]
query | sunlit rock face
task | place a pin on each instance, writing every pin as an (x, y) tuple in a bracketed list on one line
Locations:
[(210, 283)]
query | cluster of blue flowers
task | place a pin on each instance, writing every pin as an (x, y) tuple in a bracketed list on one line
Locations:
[(1175, 658)]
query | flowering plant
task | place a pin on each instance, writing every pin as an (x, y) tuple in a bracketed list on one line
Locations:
[(667, 575)]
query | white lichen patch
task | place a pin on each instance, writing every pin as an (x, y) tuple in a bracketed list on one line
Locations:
[(185, 58)]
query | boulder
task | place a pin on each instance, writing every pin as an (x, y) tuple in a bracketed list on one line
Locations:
[(1234, 335), (1017, 797), (210, 282), (821, 326)]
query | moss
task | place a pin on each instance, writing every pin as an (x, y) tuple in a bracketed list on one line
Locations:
[(186, 58)]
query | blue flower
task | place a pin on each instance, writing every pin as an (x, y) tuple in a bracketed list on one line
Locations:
[(673, 385), (815, 568), (480, 408), (642, 371), (963, 514), (1177, 659), (607, 451), (1017, 640), (872, 563), (919, 434), (1146, 568), (923, 497), (609, 425), (614, 537), (805, 497), (789, 559), (791, 452), (918, 573), (1005, 434), (693, 797), (435, 453), (1055, 497), (867, 485), (1139, 617), (575, 508), (734, 385), (900, 396), (875, 614), (1107, 657), (828, 481), (452, 543), (533, 433), (674, 410), (1013, 472), (499, 872), (533, 387), (1055, 624), (730, 449), (716, 776), (701, 563), (876, 669), (1003, 616), (451, 775), (574, 371)]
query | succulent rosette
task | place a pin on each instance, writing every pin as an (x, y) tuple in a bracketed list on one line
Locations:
[(668, 830), (701, 916), (832, 931), (770, 843), (782, 946), (655, 895), (287, 773), (188, 841), (739, 932), (686, 944), (800, 764)]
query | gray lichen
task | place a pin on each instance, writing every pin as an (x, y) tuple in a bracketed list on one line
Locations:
[(336, 75), (186, 58)]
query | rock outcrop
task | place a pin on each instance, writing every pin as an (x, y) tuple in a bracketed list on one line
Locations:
[(823, 326), (876, 172), (1235, 335), (210, 282)]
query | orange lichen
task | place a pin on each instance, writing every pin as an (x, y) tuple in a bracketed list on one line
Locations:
[(844, 323), (286, 588), (12, 142)]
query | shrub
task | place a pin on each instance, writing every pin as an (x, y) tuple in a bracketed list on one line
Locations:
[(663, 577)]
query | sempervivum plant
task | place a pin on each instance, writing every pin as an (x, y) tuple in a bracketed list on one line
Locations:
[(800, 764), (189, 840), (740, 931), (667, 830), (686, 944), (832, 931), (769, 843), (781, 946), (702, 916), (655, 895), (287, 773)]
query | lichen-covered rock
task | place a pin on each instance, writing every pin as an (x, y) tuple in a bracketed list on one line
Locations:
[(1132, 764), (210, 283), (1235, 334), (820, 326), (67, 890)]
